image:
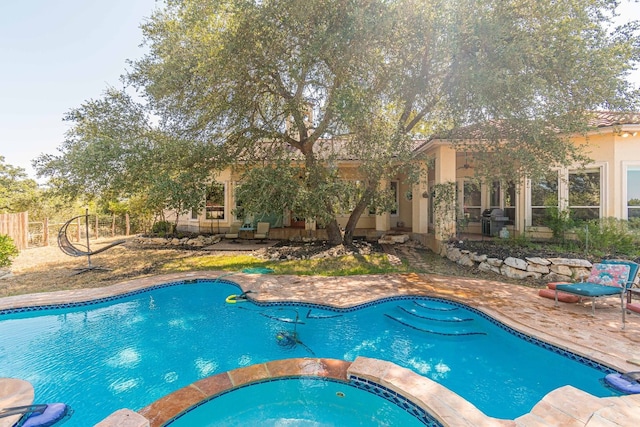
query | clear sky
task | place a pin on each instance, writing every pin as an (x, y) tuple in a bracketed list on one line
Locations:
[(54, 55)]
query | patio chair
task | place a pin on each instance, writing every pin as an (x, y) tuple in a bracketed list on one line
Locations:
[(262, 231), (607, 278), (234, 232)]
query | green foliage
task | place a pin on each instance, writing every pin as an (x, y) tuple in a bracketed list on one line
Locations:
[(560, 222), (445, 208), (18, 193), (241, 83), (114, 152), (8, 250), (608, 236), (162, 228), (338, 266)]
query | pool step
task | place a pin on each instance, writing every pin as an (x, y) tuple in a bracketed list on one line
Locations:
[(435, 306), (441, 316), (431, 329)]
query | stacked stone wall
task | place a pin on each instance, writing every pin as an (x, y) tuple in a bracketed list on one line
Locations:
[(549, 269)]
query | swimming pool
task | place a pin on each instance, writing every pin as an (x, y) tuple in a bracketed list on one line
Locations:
[(305, 401), (128, 351)]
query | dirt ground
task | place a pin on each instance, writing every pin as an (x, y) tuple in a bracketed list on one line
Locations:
[(48, 269)]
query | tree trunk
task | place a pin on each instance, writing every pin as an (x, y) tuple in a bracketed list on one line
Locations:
[(357, 212), (333, 233)]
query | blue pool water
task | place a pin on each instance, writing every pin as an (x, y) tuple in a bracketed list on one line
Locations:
[(130, 351), (297, 402)]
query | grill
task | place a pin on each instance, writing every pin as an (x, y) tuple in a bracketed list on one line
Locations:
[(493, 220)]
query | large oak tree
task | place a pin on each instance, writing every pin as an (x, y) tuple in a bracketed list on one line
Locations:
[(288, 88)]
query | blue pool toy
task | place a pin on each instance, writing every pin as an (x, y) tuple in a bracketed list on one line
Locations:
[(44, 415), (628, 383)]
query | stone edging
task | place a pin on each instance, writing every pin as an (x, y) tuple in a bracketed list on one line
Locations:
[(549, 269)]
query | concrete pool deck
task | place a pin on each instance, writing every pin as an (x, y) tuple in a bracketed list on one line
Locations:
[(569, 326)]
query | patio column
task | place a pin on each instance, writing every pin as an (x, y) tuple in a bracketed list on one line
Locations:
[(420, 204), (445, 172)]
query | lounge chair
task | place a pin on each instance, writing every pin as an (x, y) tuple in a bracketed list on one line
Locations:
[(262, 231), (234, 232), (607, 278)]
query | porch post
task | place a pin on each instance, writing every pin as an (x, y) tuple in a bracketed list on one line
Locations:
[(420, 204), (445, 172)]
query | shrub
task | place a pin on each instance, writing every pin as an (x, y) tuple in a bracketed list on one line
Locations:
[(8, 250), (560, 222), (162, 228), (607, 236)]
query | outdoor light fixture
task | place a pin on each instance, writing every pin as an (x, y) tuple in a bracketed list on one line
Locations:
[(626, 134)]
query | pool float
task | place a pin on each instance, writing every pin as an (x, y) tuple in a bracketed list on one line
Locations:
[(45, 415), (627, 383), (233, 298)]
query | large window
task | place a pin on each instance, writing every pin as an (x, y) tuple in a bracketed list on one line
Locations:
[(633, 192), (215, 202), (544, 194), (505, 200), (472, 201), (584, 194)]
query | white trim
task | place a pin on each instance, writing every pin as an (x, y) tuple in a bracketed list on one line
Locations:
[(625, 164)]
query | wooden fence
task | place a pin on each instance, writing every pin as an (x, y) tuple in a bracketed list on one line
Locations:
[(16, 226)]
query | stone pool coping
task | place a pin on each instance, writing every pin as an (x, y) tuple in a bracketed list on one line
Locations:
[(569, 326), (14, 392)]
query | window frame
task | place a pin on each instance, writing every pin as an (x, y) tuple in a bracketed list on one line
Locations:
[(586, 170), (626, 166), (223, 206)]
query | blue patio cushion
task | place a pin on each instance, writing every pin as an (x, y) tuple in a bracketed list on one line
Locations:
[(587, 289)]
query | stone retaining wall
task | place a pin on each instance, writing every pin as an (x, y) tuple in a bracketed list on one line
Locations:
[(549, 269), (196, 242)]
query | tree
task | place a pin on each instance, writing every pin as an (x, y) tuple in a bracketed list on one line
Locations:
[(287, 89), (244, 75), (115, 153), (18, 193)]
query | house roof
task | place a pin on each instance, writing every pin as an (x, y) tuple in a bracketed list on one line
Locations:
[(600, 119), (612, 118)]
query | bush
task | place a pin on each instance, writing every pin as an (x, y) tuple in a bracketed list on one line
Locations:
[(560, 223), (8, 250), (162, 228), (607, 236)]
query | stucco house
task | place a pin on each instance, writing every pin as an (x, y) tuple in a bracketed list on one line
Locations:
[(609, 186)]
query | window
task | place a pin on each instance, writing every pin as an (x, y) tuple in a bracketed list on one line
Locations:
[(633, 192), (194, 214), (584, 194), (215, 202), (503, 200), (472, 201), (544, 194)]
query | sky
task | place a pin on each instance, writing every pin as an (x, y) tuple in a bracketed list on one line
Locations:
[(55, 55)]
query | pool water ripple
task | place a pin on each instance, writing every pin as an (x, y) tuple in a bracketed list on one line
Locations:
[(127, 352)]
